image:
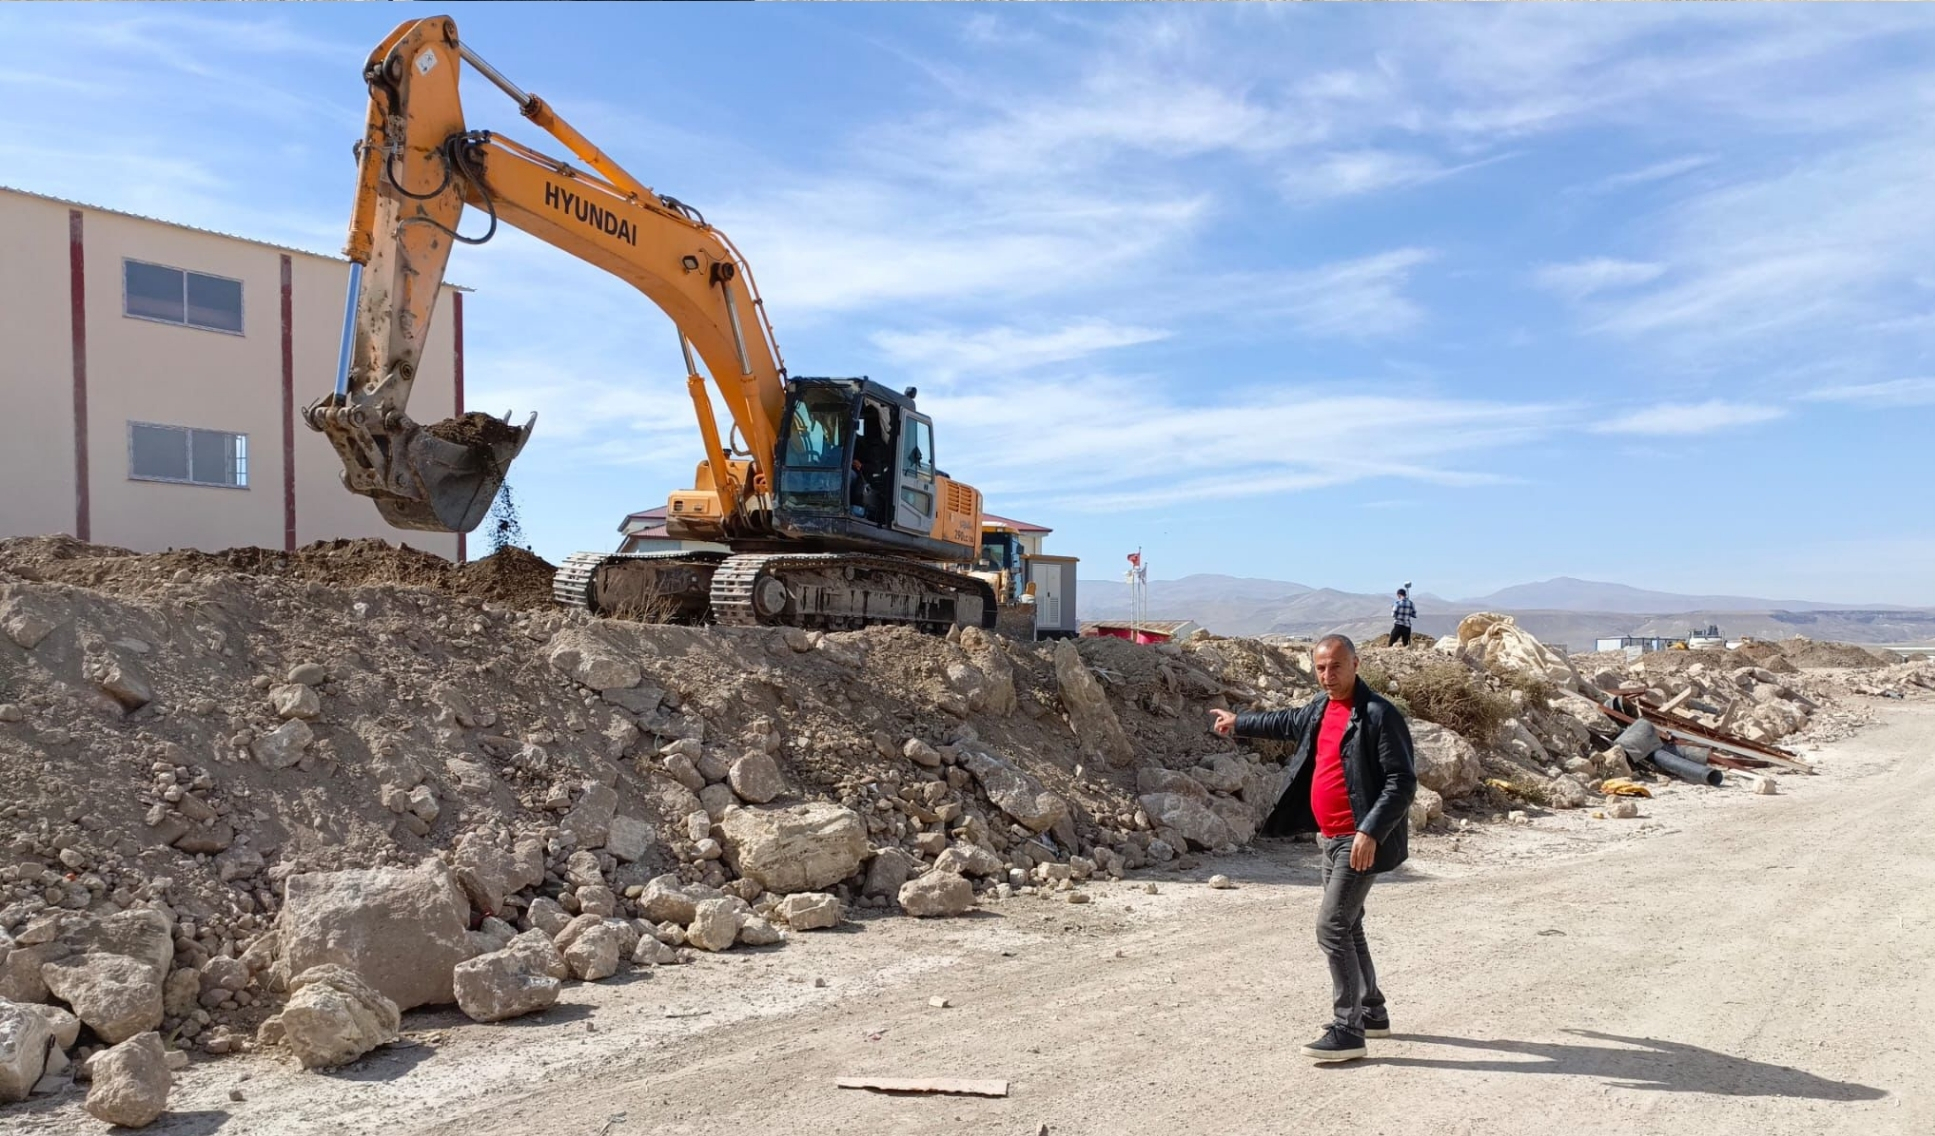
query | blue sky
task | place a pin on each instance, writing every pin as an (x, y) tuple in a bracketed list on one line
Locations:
[(1467, 295)]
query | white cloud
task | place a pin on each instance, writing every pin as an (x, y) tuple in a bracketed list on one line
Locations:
[(848, 245), (1671, 419), (1761, 265), (1121, 442), (1350, 173), (1361, 298), (1583, 278), (1893, 392), (1658, 171), (948, 352)]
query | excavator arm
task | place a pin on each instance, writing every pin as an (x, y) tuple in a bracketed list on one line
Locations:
[(419, 168)]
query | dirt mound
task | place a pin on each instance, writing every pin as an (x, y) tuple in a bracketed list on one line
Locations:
[(473, 429), (1809, 654), (514, 577), (249, 715)]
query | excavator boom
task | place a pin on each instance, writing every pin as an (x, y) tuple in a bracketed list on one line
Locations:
[(829, 497), (418, 168)]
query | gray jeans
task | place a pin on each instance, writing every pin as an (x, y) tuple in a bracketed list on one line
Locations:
[(1340, 932)]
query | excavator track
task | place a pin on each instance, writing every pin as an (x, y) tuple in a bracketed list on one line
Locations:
[(826, 591), (648, 587), (842, 591)]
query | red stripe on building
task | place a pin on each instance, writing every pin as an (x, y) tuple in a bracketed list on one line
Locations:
[(457, 382), (288, 406), (77, 293)]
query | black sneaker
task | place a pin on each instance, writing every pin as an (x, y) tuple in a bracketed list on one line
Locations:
[(1337, 1044), (1377, 1027)]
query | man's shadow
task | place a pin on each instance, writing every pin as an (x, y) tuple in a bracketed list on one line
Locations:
[(1643, 1063)]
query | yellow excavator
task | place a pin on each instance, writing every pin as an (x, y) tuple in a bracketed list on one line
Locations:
[(829, 497)]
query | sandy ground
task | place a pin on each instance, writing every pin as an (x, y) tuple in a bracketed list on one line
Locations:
[(1727, 963)]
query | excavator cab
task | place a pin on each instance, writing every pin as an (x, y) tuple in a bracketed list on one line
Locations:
[(856, 468)]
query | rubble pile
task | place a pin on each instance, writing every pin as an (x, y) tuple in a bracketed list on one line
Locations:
[(1899, 681), (263, 797), (280, 799)]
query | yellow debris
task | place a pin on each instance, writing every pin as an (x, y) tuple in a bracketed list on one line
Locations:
[(1621, 787)]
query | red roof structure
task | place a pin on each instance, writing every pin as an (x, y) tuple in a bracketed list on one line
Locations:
[(1018, 526)]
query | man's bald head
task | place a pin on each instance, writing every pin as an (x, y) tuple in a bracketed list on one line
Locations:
[(1338, 641), (1336, 661)]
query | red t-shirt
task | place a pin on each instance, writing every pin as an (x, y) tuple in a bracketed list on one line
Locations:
[(1329, 792)]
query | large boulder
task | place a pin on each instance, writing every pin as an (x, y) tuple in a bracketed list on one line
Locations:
[(998, 694), (66, 1027), (1089, 714), (1567, 792), (145, 935), (968, 860), (1155, 779), (810, 911), (1426, 806), (1446, 763), (116, 996), (402, 930), (1189, 817), (538, 955), (756, 778), (129, 1083), (629, 838), (1221, 773), (1585, 712), (1497, 643), (333, 1017), (666, 901), (806, 847), (501, 985), (595, 953), (283, 746), (20, 979), (24, 1042), (592, 660), (715, 925), (590, 820), (889, 869), (1013, 791), (26, 622), (937, 894), (1241, 819), (488, 870)]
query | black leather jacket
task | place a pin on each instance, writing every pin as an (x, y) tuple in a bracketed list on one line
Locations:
[(1378, 769)]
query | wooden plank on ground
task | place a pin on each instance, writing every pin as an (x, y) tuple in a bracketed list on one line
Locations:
[(957, 1086)]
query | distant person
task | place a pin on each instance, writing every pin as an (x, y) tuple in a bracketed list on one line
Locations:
[(1403, 614), (1351, 782)]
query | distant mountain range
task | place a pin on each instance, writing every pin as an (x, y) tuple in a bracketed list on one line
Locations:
[(1562, 610), (1563, 593)]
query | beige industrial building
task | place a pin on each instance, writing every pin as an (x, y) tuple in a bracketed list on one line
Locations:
[(155, 374)]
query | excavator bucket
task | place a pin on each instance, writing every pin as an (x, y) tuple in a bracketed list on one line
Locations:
[(456, 466), (438, 478)]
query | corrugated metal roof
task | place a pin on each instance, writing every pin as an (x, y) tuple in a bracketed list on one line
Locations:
[(72, 204)]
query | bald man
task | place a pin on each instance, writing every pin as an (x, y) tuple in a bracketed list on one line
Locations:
[(1351, 783)]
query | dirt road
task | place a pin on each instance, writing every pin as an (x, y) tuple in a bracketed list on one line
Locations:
[(1732, 964)]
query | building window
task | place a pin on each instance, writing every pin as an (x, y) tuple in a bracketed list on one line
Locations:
[(194, 457), (175, 295)]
